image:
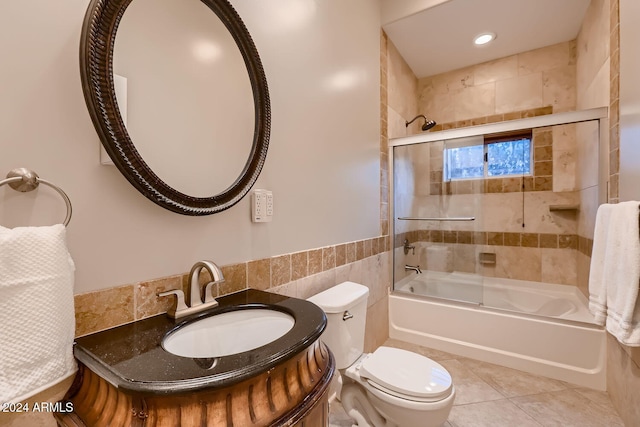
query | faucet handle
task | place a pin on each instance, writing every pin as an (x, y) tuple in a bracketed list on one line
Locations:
[(180, 304), (208, 296)]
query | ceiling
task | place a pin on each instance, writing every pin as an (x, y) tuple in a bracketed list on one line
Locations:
[(436, 36)]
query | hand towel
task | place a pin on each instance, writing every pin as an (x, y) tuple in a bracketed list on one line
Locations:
[(622, 269), (597, 273), (36, 310)]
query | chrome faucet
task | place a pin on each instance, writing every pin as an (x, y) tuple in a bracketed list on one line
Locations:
[(415, 268), (407, 246), (197, 303)]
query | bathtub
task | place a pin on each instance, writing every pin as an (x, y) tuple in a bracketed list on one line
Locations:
[(544, 329)]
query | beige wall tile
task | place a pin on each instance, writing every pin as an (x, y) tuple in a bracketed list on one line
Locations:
[(341, 254), (259, 274), (464, 258), (147, 302), (500, 69), (368, 246), (299, 265), (543, 168), (595, 92), (375, 248), (559, 266), (115, 306), (350, 252), (564, 137), (350, 272), (315, 261), (583, 267), (402, 85), (564, 170), (592, 43), (475, 101), (559, 88), (439, 107), (543, 153), (359, 250), (518, 263), (587, 137), (519, 93), (539, 219), (452, 81), (545, 59), (543, 183), (311, 285), (587, 213), (568, 241), (495, 238), (548, 241), (623, 382), (280, 270), (512, 239), (501, 212), (329, 258), (543, 137), (235, 278), (377, 325), (530, 240), (396, 124), (104, 309), (376, 276), (437, 257), (289, 289)]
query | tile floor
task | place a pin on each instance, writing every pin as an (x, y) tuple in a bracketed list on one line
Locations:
[(493, 396)]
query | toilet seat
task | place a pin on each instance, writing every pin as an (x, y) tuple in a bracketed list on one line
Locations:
[(406, 375)]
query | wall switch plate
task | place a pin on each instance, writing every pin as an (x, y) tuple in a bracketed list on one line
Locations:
[(261, 206)]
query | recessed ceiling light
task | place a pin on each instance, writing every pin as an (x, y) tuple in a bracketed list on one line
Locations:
[(484, 38)]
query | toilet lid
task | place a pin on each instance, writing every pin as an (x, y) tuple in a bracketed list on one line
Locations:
[(406, 373)]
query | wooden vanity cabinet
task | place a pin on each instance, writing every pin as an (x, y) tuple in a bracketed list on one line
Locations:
[(293, 393)]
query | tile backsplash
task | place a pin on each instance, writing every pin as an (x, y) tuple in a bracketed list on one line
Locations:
[(299, 274)]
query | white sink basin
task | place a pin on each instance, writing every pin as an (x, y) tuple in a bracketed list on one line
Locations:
[(228, 333)]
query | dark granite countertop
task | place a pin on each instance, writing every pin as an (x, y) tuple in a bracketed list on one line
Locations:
[(131, 357)]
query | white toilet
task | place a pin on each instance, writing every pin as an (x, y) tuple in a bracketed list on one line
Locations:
[(389, 387)]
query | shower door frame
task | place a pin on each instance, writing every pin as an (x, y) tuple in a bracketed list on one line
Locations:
[(595, 114)]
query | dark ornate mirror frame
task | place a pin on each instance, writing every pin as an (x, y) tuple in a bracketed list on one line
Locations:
[(96, 68)]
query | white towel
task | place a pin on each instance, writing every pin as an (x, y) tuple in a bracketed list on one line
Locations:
[(597, 273), (615, 266), (37, 323)]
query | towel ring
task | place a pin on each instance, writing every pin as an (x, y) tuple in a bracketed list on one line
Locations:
[(24, 180)]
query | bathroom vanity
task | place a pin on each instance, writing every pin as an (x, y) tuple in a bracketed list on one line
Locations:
[(126, 377)]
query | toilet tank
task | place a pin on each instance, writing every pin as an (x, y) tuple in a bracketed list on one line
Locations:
[(346, 308)]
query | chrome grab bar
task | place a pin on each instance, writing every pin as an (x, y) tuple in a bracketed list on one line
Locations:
[(459, 218)]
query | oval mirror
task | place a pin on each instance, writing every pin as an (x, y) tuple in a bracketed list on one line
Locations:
[(179, 99)]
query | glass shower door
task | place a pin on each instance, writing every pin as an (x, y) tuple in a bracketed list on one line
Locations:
[(436, 224)]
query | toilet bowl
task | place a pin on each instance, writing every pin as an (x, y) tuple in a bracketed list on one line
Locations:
[(389, 387)]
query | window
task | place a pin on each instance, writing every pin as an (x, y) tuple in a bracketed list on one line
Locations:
[(487, 156)]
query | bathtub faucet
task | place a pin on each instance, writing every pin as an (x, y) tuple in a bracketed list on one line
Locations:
[(415, 268), (408, 247)]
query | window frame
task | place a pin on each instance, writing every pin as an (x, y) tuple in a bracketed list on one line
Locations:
[(488, 140)]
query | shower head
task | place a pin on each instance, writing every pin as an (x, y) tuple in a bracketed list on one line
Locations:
[(428, 124)]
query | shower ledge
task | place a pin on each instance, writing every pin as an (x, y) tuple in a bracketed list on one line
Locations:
[(573, 207)]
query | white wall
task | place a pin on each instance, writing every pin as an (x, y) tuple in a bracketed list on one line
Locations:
[(322, 64), (629, 100)]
